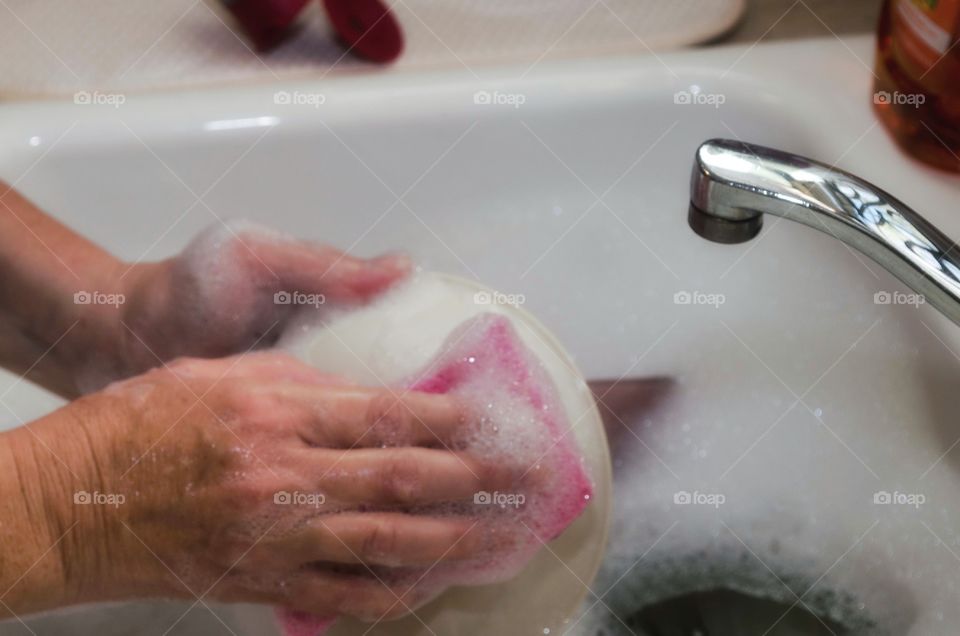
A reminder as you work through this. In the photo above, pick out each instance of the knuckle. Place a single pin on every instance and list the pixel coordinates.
(380, 541)
(231, 407)
(401, 479)
(253, 495)
(244, 401)
(388, 413)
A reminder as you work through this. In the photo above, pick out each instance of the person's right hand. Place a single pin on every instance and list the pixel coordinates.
(259, 479)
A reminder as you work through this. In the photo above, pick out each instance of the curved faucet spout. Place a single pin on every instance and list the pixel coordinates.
(734, 183)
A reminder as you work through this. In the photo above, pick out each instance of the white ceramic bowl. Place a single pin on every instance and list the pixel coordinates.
(362, 346)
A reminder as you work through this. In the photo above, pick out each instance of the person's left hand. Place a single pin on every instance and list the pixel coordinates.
(233, 289)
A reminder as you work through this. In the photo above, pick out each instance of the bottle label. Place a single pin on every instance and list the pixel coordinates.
(923, 29)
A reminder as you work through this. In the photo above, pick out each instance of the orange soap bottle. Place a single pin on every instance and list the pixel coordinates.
(917, 90)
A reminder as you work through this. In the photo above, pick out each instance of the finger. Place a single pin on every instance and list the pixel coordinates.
(387, 539)
(405, 476)
(319, 269)
(264, 366)
(369, 596)
(322, 590)
(358, 417)
(279, 366)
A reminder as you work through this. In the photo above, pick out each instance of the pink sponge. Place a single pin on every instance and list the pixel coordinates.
(294, 623)
(520, 419)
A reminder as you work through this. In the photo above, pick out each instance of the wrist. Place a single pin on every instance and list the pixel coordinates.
(111, 323)
(95, 309)
(64, 326)
(138, 338)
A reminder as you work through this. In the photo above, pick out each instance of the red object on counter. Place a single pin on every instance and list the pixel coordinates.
(367, 27)
(266, 22)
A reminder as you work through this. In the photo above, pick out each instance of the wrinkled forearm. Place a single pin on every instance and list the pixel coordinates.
(47, 335)
(63, 505)
(32, 576)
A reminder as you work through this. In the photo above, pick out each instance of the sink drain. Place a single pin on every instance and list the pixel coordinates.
(728, 613)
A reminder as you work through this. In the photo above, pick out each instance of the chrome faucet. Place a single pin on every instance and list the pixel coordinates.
(734, 183)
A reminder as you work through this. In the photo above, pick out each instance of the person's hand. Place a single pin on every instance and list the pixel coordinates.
(257, 479)
(231, 290)
(75, 317)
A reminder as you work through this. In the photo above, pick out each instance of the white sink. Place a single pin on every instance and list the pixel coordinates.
(508, 194)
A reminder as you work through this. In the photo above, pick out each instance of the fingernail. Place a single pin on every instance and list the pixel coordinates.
(396, 261)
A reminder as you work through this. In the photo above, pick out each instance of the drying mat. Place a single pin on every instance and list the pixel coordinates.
(50, 47)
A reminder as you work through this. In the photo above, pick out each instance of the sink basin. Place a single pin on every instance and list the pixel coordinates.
(804, 452)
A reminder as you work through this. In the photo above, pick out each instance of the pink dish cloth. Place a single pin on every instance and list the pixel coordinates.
(484, 363)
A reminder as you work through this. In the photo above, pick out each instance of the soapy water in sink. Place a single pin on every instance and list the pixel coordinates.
(517, 420)
(667, 566)
(709, 594)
